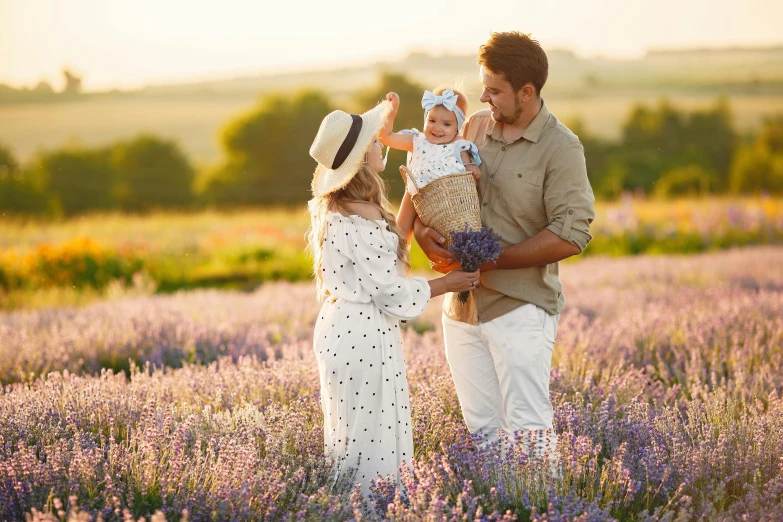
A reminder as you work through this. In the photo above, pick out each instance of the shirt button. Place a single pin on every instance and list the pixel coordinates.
(485, 204)
(519, 175)
(491, 175)
(503, 148)
(571, 212)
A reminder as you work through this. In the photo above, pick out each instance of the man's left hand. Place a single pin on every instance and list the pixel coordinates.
(444, 268)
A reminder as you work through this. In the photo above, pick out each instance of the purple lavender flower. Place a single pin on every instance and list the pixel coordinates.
(474, 248)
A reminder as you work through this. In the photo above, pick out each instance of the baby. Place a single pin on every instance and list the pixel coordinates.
(438, 150)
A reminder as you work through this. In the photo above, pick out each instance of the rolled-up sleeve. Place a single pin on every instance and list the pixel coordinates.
(568, 196)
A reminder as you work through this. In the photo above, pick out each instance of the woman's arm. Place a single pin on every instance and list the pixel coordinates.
(391, 139)
(405, 217)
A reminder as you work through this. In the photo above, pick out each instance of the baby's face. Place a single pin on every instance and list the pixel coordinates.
(441, 125)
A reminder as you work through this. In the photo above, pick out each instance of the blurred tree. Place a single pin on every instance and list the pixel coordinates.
(267, 152)
(660, 140)
(711, 142)
(758, 165)
(80, 180)
(651, 138)
(771, 134)
(20, 191)
(591, 80)
(613, 182)
(598, 155)
(410, 115)
(691, 180)
(73, 83)
(654, 128)
(151, 172)
(43, 88)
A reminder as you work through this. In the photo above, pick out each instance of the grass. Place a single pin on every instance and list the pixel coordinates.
(91, 257)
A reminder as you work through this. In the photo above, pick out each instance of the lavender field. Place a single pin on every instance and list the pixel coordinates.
(667, 382)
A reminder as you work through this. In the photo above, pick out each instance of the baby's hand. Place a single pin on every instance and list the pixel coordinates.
(394, 99)
(474, 170)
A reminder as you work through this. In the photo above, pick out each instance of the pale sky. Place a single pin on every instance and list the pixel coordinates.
(130, 43)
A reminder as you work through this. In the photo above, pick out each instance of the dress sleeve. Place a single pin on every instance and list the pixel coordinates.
(376, 267)
(471, 148)
(416, 135)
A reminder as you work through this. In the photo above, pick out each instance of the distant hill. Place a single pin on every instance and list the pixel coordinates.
(736, 69)
(730, 70)
(599, 92)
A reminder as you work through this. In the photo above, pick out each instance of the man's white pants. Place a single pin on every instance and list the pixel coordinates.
(501, 370)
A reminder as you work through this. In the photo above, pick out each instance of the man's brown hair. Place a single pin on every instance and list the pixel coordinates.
(517, 57)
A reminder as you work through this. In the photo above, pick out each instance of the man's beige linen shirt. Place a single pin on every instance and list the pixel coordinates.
(538, 181)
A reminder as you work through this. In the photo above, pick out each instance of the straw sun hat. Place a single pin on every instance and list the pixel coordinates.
(341, 143)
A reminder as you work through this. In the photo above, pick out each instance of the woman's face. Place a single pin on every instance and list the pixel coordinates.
(375, 157)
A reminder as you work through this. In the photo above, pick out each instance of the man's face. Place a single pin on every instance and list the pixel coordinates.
(497, 92)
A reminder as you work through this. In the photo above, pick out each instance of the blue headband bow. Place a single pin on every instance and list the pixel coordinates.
(448, 99)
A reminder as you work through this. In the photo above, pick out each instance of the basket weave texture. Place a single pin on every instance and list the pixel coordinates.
(447, 203)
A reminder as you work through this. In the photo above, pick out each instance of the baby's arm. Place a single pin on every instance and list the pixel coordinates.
(406, 217)
(469, 166)
(391, 139)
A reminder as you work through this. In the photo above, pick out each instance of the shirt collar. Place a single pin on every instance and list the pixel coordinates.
(532, 132)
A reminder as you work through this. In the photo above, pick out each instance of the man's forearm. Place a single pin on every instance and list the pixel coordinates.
(542, 249)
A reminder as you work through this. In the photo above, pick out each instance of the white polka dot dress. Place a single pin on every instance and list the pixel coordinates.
(364, 388)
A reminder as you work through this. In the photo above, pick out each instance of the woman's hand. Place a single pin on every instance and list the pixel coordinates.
(459, 281)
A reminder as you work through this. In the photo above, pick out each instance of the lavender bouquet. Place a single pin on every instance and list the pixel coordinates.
(472, 249)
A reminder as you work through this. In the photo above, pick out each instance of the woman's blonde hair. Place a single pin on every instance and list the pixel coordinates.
(365, 187)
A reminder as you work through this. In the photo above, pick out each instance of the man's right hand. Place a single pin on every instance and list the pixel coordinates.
(431, 241)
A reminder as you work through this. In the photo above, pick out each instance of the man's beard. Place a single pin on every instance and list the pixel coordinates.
(503, 118)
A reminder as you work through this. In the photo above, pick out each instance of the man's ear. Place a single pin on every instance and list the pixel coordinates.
(526, 93)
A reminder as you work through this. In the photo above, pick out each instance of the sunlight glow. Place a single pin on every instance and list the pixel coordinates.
(128, 44)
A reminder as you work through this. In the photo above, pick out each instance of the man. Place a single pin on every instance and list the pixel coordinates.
(534, 192)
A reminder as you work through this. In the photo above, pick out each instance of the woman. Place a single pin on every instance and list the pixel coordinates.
(360, 259)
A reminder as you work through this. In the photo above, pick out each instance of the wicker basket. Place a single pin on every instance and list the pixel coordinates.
(447, 203)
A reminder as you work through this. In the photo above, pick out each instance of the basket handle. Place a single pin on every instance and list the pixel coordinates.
(410, 183)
